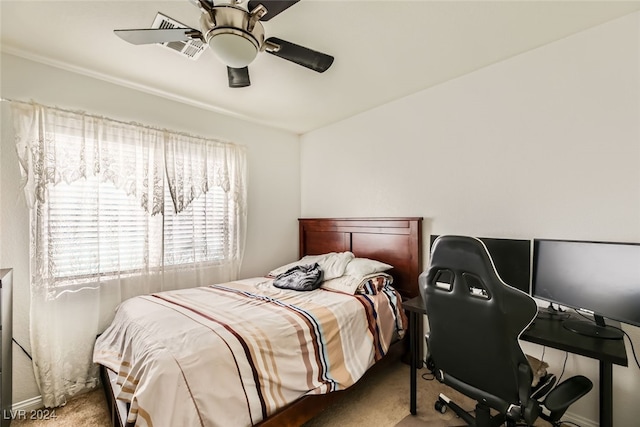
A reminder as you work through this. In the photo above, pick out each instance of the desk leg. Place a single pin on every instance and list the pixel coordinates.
(606, 394)
(413, 342)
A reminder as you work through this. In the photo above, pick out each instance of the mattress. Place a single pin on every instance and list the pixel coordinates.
(232, 354)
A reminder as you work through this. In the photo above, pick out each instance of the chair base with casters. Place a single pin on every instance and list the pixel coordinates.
(483, 413)
(556, 402)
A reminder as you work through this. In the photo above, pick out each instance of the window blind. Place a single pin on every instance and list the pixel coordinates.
(106, 232)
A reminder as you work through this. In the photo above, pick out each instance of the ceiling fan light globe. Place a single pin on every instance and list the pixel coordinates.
(233, 50)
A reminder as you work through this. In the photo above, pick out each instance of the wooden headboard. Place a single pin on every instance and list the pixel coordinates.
(395, 241)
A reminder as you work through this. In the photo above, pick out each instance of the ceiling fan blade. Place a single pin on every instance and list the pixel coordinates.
(238, 77)
(274, 7)
(162, 35)
(306, 57)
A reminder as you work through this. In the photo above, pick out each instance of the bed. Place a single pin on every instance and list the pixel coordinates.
(136, 366)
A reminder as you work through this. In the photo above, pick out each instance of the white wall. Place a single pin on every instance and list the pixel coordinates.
(545, 144)
(273, 176)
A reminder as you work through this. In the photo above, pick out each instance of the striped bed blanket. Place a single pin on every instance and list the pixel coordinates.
(235, 353)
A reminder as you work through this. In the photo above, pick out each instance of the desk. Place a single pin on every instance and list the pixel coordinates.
(545, 332)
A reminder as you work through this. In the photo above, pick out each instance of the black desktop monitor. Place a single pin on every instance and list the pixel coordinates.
(512, 259)
(602, 278)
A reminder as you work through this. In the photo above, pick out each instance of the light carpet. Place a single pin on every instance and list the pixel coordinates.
(381, 400)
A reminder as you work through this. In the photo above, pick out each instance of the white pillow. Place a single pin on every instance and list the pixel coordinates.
(309, 259)
(364, 266)
(332, 264)
(350, 284)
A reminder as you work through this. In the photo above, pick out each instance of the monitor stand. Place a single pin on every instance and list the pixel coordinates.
(596, 330)
(552, 313)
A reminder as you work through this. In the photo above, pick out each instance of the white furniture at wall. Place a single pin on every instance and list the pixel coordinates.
(6, 285)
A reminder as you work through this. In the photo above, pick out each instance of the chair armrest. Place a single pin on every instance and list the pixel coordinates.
(567, 392)
(561, 397)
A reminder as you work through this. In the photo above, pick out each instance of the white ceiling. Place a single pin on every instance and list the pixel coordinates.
(384, 50)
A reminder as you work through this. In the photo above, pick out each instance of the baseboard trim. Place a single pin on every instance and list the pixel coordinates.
(28, 405)
(581, 421)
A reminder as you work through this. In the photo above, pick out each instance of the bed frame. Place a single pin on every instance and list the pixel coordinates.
(395, 241)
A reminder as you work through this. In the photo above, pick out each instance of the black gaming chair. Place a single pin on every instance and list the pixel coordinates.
(475, 320)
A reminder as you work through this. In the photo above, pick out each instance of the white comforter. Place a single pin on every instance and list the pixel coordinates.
(230, 355)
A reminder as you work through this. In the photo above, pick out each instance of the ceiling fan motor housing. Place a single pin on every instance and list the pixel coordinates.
(231, 35)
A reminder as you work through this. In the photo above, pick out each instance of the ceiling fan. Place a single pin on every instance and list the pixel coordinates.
(235, 34)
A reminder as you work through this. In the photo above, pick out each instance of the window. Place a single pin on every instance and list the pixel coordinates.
(198, 234)
(107, 232)
(112, 199)
(97, 232)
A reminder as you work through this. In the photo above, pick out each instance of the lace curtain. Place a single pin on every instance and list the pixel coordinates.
(117, 210)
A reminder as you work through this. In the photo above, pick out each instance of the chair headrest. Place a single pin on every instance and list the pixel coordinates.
(468, 257)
